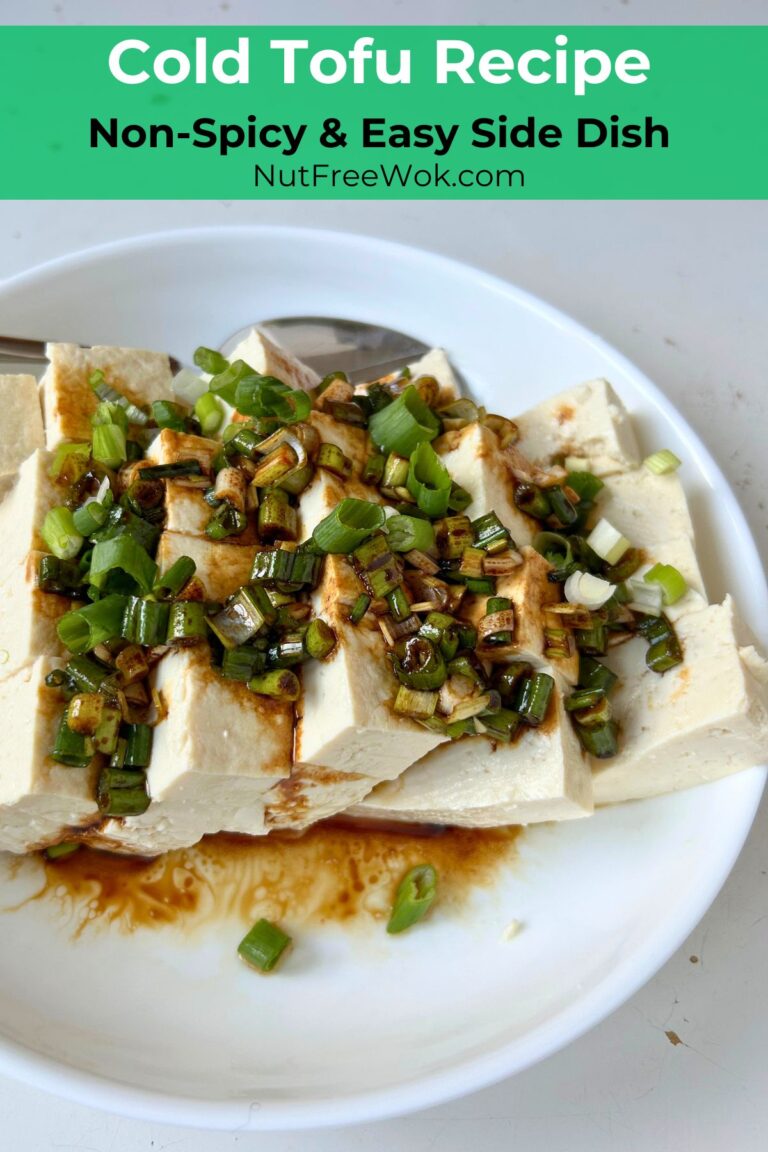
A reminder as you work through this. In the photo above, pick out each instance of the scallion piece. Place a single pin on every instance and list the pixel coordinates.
(177, 577)
(280, 683)
(263, 946)
(332, 459)
(359, 608)
(415, 896)
(277, 519)
(175, 471)
(60, 534)
(87, 673)
(351, 522)
(533, 501)
(209, 413)
(71, 749)
(166, 414)
(122, 554)
(262, 396)
(319, 640)
(441, 629)
(459, 499)
(287, 652)
(399, 604)
(673, 584)
(401, 426)
(104, 391)
(186, 622)
(563, 512)
(414, 702)
(90, 517)
(373, 469)
(664, 653)
(556, 549)
(240, 619)
(209, 360)
(279, 566)
(226, 521)
(607, 542)
(122, 792)
(145, 622)
(594, 675)
(84, 628)
(243, 663)
(224, 383)
(70, 462)
(584, 698)
(138, 749)
(408, 532)
(501, 725)
(428, 480)
(600, 741)
(663, 462)
(533, 697)
(585, 485)
(62, 850)
(592, 640)
(420, 664)
(454, 536)
(109, 445)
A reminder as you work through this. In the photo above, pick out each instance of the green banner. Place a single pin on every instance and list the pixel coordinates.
(392, 112)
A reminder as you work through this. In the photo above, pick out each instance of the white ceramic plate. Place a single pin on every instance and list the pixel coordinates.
(367, 1026)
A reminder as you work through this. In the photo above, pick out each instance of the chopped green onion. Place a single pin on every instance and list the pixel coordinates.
(359, 608)
(428, 480)
(122, 792)
(593, 715)
(480, 587)
(277, 519)
(138, 750)
(71, 748)
(60, 534)
(459, 499)
(585, 485)
(70, 462)
(241, 618)
(533, 501)
(586, 589)
(287, 652)
(90, 517)
(262, 396)
(592, 640)
(145, 622)
(501, 725)
(319, 639)
(399, 604)
(401, 426)
(105, 392)
(263, 946)
(673, 584)
(123, 522)
(453, 536)
(556, 549)
(177, 577)
(534, 696)
(378, 567)
(395, 472)
(601, 741)
(186, 622)
(594, 675)
(85, 628)
(107, 413)
(373, 469)
(442, 630)
(209, 413)
(333, 460)
(122, 554)
(626, 567)
(62, 850)
(415, 896)
(408, 532)
(419, 664)
(584, 698)
(664, 653)
(562, 510)
(224, 383)
(415, 703)
(85, 711)
(166, 414)
(496, 606)
(243, 663)
(226, 521)
(279, 682)
(489, 533)
(109, 445)
(279, 566)
(87, 673)
(644, 597)
(351, 522)
(607, 542)
(175, 471)
(472, 561)
(663, 462)
(209, 360)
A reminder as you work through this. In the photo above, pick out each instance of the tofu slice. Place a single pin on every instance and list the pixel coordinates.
(215, 755)
(647, 509)
(187, 511)
(23, 511)
(701, 721)
(589, 421)
(352, 441)
(170, 447)
(28, 619)
(475, 461)
(475, 783)
(40, 800)
(435, 363)
(22, 426)
(221, 568)
(348, 737)
(68, 399)
(269, 358)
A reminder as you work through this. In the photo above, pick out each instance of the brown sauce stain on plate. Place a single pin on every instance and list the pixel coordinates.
(333, 873)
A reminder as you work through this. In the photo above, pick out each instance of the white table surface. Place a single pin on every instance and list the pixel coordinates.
(680, 288)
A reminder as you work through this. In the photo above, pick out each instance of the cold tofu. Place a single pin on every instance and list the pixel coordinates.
(187, 511)
(269, 358)
(220, 568)
(39, 799)
(352, 441)
(435, 363)
(647, 509)
(475, 462)
(702, 720)
(22, 424)
(171, 447)
(474, 783)
(68, 399)
(23, 511)
(589, 422)
(215, 754)
(28, 618)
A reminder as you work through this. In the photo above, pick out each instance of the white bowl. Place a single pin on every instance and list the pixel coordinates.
(366, 1026)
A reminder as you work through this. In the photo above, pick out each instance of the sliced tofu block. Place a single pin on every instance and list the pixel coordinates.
(68, 399)
(39, 799)
(589, 421)
(170, 447)
(23, 511)
(474, 460)
(530, 592)
(28, 619)
(187, 511)
(352, 441)
(22, 425)
(216, 753)
(702, 720)
(478, 784)
(269, 358)
(435, 363)
(647, 509)
(221, 568)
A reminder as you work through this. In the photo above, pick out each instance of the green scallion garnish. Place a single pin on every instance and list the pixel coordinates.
(85, 628)
(401, 426)
(263, 946)
(663, 462)
(280, 683)
(175, 579)
(319, 639)
(123, 554)
(408, 532)
(209, 413)
(145, 622)
(351, 522)
(533, 698)
(209, 361)
(186, 623)
(60, 533)
(673, 584)
(109, 445)
(122, 792)
(415, 896)
(428, 480)
(72, 749)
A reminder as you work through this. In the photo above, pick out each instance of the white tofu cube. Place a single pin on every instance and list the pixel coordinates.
(475, 462)
(269, 358)
(221, 568)
(589, 421)
(22, 424)
(28, 619)
(23, 511)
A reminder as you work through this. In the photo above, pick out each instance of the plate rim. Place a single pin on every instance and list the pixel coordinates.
(586, 1011)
